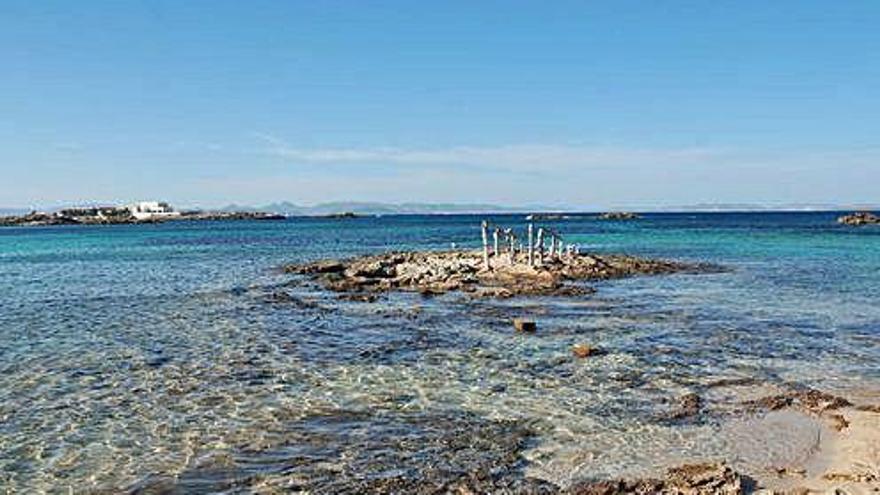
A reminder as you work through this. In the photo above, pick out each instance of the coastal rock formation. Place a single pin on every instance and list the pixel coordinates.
(809, 400)
(121, 216)
(438, 272)
(36, 218)
(618, 215)
(859, 218)
(690, 479)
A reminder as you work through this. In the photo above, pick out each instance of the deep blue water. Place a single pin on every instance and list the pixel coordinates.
(142, 350)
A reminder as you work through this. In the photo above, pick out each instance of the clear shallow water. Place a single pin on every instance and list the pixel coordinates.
(156, 358)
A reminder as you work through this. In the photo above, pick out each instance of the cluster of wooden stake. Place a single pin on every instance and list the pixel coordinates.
(536, 247)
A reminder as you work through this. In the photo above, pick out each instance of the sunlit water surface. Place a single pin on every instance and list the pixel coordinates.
(161, 357)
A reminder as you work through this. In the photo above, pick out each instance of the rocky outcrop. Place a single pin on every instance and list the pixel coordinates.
(807, 399)
(438, 272)
(121, 216)
(859, 218)
(618, 215)
(37, 218)
(689, 479)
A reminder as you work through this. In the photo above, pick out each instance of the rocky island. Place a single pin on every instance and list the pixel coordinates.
(859, 218)
(547, 216)
(438, 272)
(618, 215)
(342, 215)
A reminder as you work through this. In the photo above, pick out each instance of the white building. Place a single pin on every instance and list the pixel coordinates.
(151, 209)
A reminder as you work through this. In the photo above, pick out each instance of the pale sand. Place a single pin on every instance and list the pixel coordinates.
(845, 461)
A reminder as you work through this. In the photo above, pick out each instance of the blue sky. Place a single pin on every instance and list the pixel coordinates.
(582, 104)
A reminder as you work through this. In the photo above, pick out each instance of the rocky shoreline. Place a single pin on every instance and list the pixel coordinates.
(440, 272)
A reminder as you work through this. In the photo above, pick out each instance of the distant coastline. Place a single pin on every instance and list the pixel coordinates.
(290, 209)
(281, 210)
(135, 213)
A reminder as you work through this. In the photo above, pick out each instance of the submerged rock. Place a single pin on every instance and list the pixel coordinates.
(438, 272)
(522, 325)
(584, 350)
(367, 452)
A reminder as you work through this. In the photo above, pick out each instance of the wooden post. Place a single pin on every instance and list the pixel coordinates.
(531, 254)
(541, 245)
(512, 237)
(495, 235)
(485, 232)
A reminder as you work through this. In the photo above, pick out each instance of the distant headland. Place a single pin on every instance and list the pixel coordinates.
(134, 213)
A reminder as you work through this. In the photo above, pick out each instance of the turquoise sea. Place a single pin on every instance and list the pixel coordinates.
(178, 358)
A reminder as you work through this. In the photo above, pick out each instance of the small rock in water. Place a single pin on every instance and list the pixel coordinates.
(584, 350)
(522, 325)
(689, 406)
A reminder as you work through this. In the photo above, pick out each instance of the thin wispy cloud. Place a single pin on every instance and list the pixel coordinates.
(513, 157)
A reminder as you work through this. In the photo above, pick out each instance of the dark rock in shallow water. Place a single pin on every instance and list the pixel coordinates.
(366, 298)
(328, 266)
(360, 453)
(522, 325)
(690, 405)
(281, 297)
